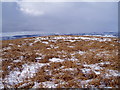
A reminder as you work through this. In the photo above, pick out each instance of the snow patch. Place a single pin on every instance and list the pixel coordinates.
(38, 58)
(23, 85)
(70, 40)
(17, 61)
(96, 66)
(112, 73)
(30, 44)
(6, 48)
(73, 39)
(28, 71)
(19, 46)
(69, 69)
(103, 53)
(56, 60)
(85, 81)
(73, 59)
(81, 52)
(97, 72)
(1, 84)
(49, 84)
(52, 41)
(45, 42)
(48, 48)
(56, 47)
(102, 63)
(52, 46)
(11, 44)
(85, 70)
(96, 39)
(36, 85)
(38, 39)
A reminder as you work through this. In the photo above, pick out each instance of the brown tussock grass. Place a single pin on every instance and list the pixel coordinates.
(95, 52)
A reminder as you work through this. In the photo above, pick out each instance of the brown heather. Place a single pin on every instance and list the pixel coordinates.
(95, 53)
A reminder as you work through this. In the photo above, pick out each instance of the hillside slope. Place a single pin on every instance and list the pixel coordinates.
(60, 61)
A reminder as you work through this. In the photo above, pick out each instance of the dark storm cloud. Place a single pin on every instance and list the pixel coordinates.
(60, 17)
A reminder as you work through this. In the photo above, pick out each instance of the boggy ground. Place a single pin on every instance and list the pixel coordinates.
(60, 61)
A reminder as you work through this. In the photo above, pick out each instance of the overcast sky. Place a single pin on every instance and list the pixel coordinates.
(61, 17)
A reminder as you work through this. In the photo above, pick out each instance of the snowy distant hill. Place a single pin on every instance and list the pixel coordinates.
(16, 36)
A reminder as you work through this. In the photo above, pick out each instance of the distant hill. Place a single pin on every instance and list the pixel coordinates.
(104, 34)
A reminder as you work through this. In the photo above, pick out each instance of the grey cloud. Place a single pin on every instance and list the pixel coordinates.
(63, 17)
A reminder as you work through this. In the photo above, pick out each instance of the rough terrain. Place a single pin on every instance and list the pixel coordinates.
(60, 61)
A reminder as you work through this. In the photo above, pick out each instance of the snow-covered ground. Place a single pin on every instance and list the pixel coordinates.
(28, 71)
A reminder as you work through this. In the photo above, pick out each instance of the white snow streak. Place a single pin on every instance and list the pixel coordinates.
(56, 60)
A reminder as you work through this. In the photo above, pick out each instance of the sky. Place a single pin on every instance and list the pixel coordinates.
(59, 17)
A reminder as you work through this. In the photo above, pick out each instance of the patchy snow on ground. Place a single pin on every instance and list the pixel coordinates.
(96, 39)
(69, 69)
(48, 48)
(21, 57)
(72, 59)
(103, 63)
(85, 81)
(54, 74)
(23, 85)
(85, 70)
(6, 48)
(28, 71)
(56, 47)
(56, 60)
(93, 66)
(30, 44)
(52, 46)
(1, 84)
(17, 61)
(49, 84)
(45, 42)
(83, 38)
(81, 52)
(36, 85)
(103, 53)
(38, 58)
(38, 39)
(96, 68)
(71, 39)
(11, 44)
(52, 40)
(111, 73)
(19, 45)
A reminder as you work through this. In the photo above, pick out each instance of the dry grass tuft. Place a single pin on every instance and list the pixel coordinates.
(101, 57)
